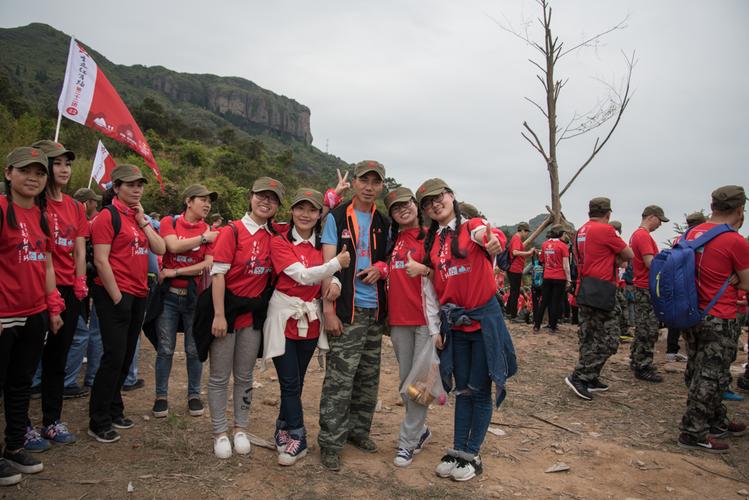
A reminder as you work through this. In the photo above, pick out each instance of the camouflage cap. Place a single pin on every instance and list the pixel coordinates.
(310, 195)
(524, 226)
(430, 187)
(655, 210)
(127, 173)
(269, 184)
(695, 218)
(398, 195)
(616, 225)
(85, 194)
(20, 157)
(53, 149)
(469, 211)
(366, 166)
(600, 204)
(199, 190)
(729, 197)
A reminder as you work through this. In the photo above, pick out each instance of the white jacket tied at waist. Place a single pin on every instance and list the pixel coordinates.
(283, 307)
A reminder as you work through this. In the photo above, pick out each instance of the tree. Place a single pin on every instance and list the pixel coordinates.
(611, 108)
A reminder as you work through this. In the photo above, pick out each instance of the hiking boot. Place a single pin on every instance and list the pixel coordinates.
(242, 443)
(137, 385)
(74, 391)
(729, 395)
(36, 392)
(597, 386)
(58, 433)
(195, 407)
(295, 449)
(709, 444)
(726, 430)
(330, 459)
(122, 423)
(8, 474)
(105, 436)
(672, 357)
(364, 444)
(403, 457)
(446, 466)
(467, 469)
(282, 439)
(649, 376)
(34, 442)
(425, 437)
(160, 408)
(222, 447)
(578, 387)
(23, 462)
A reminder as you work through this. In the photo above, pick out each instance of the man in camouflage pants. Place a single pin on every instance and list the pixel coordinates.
(354, 319)
(621, 289)
(646, 324)
(711, 345)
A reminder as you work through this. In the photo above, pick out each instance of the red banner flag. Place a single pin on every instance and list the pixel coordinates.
(101, 172)
(88, 98)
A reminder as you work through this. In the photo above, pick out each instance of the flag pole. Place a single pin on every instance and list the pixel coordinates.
(57, 128)
(90, 179)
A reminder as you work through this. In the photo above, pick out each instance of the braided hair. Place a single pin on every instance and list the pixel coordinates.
(40, 200)
(455, 249)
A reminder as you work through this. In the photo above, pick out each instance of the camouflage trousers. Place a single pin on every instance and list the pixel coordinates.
(352, 377)
(646, 332)
(621, 300)
(598, 337)
(708, 345)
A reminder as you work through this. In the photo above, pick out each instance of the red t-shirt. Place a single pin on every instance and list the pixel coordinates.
(251, 265)
(283, 254)
(183, 230)
(467, 282)
(642, 244)
(715, 262)
(405, 305)
(128, 254)
(553, 254)
(597, 248)
(23, 263)
(67, 221)
(518, 262)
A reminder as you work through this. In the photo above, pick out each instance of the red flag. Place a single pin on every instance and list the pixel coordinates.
(101, 172)
(88, 98)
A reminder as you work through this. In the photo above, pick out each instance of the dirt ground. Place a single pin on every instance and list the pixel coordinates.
(621, 445)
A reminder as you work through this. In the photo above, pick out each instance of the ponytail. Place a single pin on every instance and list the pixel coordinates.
(429, 243)
(455, 244)
(10, 217)
(41, 201)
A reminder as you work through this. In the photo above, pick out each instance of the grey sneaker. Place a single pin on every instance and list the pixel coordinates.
(446, 466)
(8, 474)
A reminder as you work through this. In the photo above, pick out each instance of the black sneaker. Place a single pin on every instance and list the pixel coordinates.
(160, 408)
(8, 475)
(122, 423)
(23, 462)
(649, 376)
(195, 407)
(578, 387)
(709, 445)
(74, 391)
(36, 392)
(137, 385)
(106, 436)
(597, 386)
(743, 383)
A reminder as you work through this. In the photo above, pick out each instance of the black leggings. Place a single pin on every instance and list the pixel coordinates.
(552, 293)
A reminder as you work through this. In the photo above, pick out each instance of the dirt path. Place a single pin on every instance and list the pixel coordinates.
(621, 445)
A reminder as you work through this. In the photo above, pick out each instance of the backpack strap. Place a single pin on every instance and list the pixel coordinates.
(116, 220)
(174, 221)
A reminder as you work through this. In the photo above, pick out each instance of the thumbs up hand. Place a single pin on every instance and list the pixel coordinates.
(414, 268)
(344, 258)
(491, 242)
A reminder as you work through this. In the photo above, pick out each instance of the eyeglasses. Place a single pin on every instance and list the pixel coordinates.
(401, 207)
(430, 201)
(267, 196)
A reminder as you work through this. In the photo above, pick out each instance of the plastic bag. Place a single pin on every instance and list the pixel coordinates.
(423, 383)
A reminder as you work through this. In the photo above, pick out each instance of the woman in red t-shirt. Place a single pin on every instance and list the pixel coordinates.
(462, 254)
(121, 236)
(413, 311)
(242, 265)
(555, 259)
(292, 327)
(69, 229)
(29, 300)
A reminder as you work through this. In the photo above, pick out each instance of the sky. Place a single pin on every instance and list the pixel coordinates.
(434, 88)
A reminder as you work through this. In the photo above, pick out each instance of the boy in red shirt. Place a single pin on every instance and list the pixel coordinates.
(518, 253)
(726, 257)
(597, 251)
(646, 324)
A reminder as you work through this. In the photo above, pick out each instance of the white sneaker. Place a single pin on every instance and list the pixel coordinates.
(222, 447)
(241, 443)
(466, 470)
(446, 466)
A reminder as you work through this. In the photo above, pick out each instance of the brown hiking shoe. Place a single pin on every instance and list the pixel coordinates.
(330, 459)
(364, 444)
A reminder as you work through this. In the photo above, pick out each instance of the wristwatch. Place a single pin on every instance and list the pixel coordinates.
(203, 241)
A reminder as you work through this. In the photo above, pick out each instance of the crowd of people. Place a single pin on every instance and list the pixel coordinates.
(77, 282)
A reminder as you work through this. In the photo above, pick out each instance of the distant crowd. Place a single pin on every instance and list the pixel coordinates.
(84, 276)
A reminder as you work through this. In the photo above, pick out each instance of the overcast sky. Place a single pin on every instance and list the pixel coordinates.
(435, 88)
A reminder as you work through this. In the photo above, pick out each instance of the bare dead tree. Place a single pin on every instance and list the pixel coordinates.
(607, 111)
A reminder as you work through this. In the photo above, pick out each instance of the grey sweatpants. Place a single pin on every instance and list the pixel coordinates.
(407, 341)
(235, 352)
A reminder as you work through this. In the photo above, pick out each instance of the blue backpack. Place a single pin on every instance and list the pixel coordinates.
(537, 273)
(673, 286)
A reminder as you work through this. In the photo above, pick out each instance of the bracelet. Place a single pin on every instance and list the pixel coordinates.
(203, 240)
(143, 226)
(176, 272)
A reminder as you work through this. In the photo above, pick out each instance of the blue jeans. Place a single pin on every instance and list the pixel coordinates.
(176, 307)
(86, 343)
(473, 406)
(291, 368)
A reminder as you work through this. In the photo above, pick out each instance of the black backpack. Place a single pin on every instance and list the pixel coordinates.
(116, 225)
